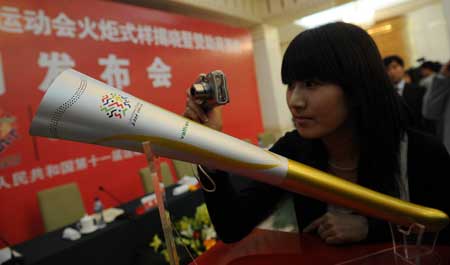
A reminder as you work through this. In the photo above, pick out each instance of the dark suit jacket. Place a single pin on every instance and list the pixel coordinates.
(235, 213)
(413, 96)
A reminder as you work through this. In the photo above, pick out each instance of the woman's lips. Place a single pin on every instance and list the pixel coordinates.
(303, 121)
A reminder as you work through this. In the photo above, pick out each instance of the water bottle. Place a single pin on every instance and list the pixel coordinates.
(98, 209)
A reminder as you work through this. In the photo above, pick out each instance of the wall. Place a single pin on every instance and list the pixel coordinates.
(428, 33)
(391, 38)
(272, 93)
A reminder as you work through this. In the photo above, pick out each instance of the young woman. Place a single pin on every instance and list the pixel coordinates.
(349, 122)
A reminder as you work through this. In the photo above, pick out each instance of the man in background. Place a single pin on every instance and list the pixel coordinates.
(411, 93)
(436, 104)
(428, 70)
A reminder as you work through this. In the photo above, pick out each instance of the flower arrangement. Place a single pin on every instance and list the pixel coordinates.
(197, 234)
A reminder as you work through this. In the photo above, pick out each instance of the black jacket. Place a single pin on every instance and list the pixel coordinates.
(413, 97)
(235, 213)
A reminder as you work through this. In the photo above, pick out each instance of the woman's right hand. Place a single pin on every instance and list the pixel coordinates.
(193, 111)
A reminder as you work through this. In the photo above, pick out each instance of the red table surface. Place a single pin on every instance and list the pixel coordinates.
(273, 247)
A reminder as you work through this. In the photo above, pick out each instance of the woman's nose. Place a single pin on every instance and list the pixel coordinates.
(298, 98)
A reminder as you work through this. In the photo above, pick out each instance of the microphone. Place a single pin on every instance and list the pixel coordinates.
(102, 189)
(16, 258)
(127, 214)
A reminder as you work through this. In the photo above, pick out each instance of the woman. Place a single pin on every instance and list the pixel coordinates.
(349, 122)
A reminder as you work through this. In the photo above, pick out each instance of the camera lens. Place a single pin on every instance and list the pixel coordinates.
(200, 91)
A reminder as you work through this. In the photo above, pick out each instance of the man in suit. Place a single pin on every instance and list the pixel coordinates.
(411, 93)
(436, 105)
(428, 71)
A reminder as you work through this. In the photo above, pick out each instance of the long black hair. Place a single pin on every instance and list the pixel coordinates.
(346, 55)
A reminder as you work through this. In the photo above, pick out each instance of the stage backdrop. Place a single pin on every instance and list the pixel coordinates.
(151, 54)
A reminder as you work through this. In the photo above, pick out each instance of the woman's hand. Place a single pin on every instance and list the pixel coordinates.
(339, 228)
(212, 118)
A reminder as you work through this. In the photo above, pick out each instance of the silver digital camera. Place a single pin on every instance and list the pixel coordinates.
(211, 90)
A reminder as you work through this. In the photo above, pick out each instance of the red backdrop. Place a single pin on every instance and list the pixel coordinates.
(150, 54)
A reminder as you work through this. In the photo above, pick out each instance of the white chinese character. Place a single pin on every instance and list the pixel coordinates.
(2, 79)
(199, 41)
(88, 27)
(93, 160)
(174, 37)
(38, 22)
(52, 170)
(127, 32)
(108, 30)
(219, 43)
(3, 183)
(10, 20)
(103, 158)
(144, 35)
(19, 178)
(210, 42)
(80, 163)
(232, 45)
(127, 154)
(56, 63)
(114, 75)
(159, 72)
(37, 173)
(67, 167)
(116, 155)
(65, 27)
(160, 36)
(236, 44)
(137, 154)
(186, 37)
(227, 43)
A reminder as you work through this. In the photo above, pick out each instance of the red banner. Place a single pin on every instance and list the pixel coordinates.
(150, 54)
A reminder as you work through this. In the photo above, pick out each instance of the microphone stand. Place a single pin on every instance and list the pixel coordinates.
(127, 213)
(102, 189)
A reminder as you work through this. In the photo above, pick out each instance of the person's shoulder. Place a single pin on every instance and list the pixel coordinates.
(291, 144)
(441, 81)
(414, 87)
(289, 138)
(425, 143)
(291, 135)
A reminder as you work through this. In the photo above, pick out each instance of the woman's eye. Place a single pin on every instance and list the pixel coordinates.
(309, 83)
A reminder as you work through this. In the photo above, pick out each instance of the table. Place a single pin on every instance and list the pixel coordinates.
(115, 244)
(263, 247)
